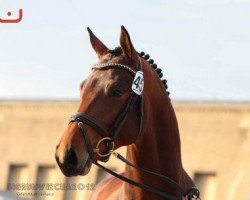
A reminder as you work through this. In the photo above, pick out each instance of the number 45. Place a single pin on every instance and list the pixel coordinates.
(138, 83)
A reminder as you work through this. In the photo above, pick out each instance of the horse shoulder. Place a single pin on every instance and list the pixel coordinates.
(108, 189)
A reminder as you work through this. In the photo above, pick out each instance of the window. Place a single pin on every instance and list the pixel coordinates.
(206, 183)
(71, 192)
(18, 174)
(45, 182)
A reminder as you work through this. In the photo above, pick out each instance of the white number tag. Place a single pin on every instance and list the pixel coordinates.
(138, 83)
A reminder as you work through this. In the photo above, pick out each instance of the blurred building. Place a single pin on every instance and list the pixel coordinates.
(215, 150)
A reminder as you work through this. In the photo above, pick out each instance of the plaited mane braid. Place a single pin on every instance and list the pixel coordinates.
(118, 51)
(154, 66)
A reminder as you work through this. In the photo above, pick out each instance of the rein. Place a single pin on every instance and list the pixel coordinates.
(109, 136)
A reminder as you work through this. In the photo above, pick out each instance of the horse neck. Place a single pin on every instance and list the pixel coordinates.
(158, 148)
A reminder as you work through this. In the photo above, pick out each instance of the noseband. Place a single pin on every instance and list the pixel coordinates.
(109, 136)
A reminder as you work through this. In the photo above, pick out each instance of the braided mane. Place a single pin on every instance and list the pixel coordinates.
(154, 66)
(117, 51)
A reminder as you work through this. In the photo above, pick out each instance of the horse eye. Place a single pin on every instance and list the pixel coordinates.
(117, 92)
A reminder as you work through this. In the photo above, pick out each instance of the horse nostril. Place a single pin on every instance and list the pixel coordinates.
(71, 159)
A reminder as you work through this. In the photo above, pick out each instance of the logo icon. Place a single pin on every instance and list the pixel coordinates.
(17, 20)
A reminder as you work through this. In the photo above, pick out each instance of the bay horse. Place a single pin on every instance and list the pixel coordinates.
(124, 102)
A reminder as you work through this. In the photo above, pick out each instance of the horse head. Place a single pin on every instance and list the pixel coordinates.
(103, 122)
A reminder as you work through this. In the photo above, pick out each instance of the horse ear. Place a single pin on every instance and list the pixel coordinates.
(126, 44)
(97, 44)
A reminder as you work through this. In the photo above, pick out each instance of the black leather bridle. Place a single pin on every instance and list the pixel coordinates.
(108, 137)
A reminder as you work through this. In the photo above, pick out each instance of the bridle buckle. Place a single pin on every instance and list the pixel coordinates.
(111, 147)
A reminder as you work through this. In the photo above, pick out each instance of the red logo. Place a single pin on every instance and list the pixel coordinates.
(20, 17)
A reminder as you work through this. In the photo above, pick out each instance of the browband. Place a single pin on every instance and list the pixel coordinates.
(111, 65)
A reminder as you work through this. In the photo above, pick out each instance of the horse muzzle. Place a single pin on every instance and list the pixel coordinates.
(70, 165)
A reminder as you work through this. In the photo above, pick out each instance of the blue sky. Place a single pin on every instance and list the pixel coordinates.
(203, 47)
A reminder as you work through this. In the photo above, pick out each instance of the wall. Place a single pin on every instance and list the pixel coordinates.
(215, 149)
